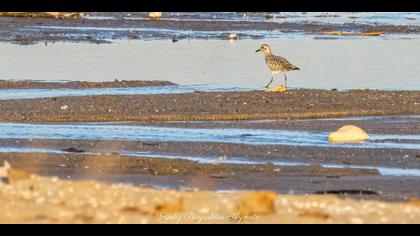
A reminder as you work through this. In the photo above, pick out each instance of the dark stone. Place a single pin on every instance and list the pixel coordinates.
(4, 180)
(332, 177)
(217, 177)
(347, 192)
(73, 150)
(150, 144)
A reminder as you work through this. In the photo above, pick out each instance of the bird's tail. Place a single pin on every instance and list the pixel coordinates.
(295, 68)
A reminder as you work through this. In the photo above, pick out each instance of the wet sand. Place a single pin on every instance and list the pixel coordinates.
(293, 104)
(183, 174)
(8, 84)
(85, 164)
(404, 125)
(288, 110)
(33, 199)
(99, 29)
(104, 160)
(396, 158)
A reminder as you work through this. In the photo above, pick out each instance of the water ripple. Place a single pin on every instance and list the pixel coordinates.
(115, 131)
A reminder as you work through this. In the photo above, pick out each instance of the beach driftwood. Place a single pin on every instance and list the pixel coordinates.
(339, 33)
(59, 15)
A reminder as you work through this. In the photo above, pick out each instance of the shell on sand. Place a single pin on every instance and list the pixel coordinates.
(279, 89)
(155, 15)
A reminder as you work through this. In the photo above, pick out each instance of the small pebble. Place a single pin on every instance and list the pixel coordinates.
(233, 36)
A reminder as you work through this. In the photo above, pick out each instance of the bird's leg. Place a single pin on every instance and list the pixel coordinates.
(271, 81)
(285, 81)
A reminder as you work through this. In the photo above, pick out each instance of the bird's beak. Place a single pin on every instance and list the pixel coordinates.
(258, 50)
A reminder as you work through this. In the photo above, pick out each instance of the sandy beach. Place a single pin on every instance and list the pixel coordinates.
(180, 174)
(293, 104)
(33, 199)
(99, 127)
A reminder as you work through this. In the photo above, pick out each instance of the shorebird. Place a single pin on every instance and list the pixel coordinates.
(4, 172)
(276, 64)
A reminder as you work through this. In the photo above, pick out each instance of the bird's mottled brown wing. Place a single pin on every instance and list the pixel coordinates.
(276, 63)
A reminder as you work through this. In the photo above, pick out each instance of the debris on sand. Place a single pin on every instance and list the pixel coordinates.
(414, 202)
(4, 172)
(315, 214)
(347, 192)
(279, 89)
(298, 104)
(348, 133)
(57, 15)
(73, 150)
(339, 33)
(232, 37)
(27, 84)
(220, 160)
(170, 207)
(18, 175)
(261, 203)
(155, 15)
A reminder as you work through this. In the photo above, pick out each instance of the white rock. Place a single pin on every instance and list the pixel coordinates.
(233, 36)
(348, 133)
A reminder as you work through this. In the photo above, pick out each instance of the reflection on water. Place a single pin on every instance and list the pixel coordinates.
(396, 118)
(384, 171)
(342, 64)
(112, 131)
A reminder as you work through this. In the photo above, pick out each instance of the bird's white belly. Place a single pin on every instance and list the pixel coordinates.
(276, 72)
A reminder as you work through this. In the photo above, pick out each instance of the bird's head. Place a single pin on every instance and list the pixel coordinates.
(264, 48)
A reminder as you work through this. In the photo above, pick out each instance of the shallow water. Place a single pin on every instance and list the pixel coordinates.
(46, 93)
(384, 171)
(384, 119)
(389, 18)
(159, 33)
(408, 118)
(113, 131)
(218, 64)
(371, 18)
